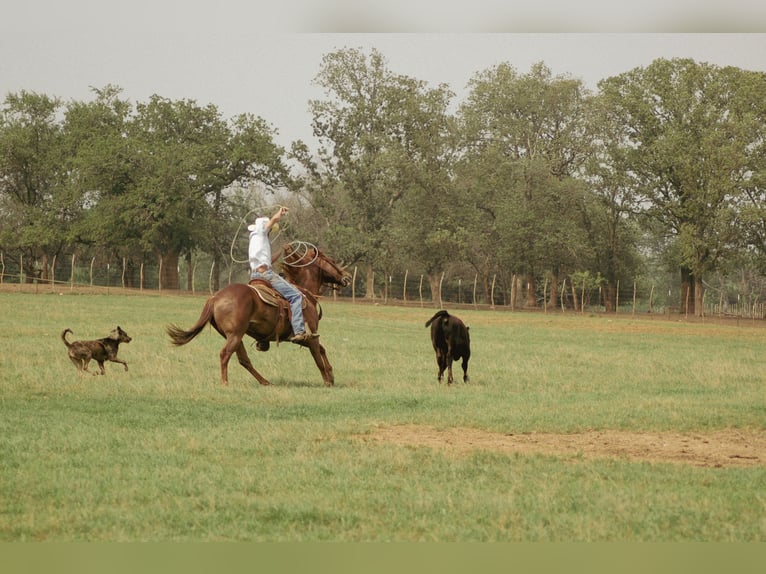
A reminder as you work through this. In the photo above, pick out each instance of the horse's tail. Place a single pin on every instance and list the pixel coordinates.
(180, 336)
(63, 337)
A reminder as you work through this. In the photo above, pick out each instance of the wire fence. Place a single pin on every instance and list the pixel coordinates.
(100, 274)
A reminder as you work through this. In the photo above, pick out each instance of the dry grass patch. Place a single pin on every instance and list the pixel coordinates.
(725, 448)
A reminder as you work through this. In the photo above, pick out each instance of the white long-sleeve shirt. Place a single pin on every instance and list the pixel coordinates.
(259, 251)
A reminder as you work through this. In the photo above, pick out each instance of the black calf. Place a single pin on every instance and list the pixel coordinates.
(451, 341)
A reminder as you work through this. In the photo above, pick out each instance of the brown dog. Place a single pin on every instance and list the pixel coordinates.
(100, 350)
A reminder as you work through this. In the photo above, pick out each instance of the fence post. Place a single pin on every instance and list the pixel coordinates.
(634, 297)
(441, 301)
(353, 286)
(53, 274)
(563, 293)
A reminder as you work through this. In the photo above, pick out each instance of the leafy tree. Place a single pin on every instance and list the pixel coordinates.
(181, 159)
(610, 220)
(690, 141)
(524, 143)
(368, 129)
(100, 168)
(33, 214)
(426, 229)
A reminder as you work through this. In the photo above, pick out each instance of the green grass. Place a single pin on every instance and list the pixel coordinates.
(165, 453)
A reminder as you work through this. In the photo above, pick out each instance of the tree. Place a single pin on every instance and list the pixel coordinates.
(426, 230)
(367, 129)
(524, 140)
(185, 158)
(689, 143)
(610, 219)
(33, 212)
(100, 169)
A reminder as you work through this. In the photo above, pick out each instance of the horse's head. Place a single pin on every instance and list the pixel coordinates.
(306, 265)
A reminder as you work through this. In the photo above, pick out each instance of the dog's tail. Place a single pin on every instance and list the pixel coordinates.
(179, 336)
(438, 314)
(63, 337)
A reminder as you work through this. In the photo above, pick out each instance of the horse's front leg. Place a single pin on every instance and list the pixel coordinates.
(320, 358)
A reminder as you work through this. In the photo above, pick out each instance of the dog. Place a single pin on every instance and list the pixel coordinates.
(100, 350)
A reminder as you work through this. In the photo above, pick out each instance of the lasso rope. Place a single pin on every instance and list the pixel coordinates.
(304, 247)
(236, 234)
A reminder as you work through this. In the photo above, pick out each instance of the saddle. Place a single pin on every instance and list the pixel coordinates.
(272, 297)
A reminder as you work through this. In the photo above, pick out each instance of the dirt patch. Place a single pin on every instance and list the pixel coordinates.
(727, 448)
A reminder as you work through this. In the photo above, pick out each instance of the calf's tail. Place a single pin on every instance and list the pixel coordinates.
(438, 314)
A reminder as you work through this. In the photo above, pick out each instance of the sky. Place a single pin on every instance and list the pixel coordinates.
(246, 58)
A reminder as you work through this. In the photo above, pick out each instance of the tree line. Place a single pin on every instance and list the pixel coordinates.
(531, 180)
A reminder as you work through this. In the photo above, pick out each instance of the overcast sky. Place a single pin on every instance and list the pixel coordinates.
(244, 58)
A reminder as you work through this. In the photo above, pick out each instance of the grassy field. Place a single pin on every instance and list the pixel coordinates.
(165, 453)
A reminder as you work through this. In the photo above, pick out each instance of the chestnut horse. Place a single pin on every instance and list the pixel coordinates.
(257, 310)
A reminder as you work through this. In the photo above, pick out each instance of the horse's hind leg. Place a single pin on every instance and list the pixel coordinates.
(232, 342)
(244, 360)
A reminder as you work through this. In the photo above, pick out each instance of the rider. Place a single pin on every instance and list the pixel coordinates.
(260, 268)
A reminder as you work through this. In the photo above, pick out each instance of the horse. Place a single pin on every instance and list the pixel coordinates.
(257, 310)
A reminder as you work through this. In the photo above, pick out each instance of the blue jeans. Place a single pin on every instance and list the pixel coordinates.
(289, 292)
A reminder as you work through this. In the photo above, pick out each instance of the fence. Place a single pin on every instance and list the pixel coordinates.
(398, 288)
(73, 272)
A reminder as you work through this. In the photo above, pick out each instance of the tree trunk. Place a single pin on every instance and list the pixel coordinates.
(699, 293)
(575, 299)
(370, 291)
(531, 289)
(609, 297)
(433, 283)
(553, 295)
(169, 275)
(687, 296)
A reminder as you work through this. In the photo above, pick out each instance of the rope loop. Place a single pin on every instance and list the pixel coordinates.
(302, 247)
(239, 228)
